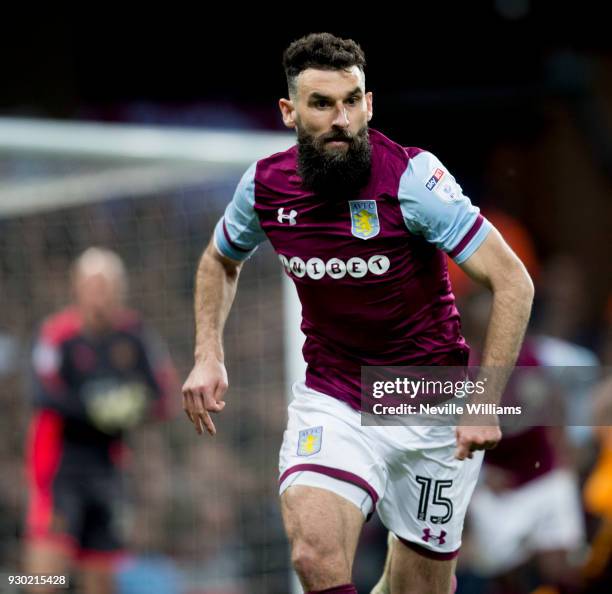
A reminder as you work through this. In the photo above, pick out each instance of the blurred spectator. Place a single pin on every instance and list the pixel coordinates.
(527, 509)
(560, 334)
(98, 373)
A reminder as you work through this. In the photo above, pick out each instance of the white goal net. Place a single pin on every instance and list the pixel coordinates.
(203, 510)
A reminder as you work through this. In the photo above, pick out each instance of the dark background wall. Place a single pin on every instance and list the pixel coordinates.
(515, 96)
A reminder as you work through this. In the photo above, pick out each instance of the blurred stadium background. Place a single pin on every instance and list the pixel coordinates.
(516, 100)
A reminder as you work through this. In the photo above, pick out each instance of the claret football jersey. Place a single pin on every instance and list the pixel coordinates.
(370, 269)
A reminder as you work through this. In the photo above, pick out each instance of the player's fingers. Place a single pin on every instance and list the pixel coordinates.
(463, 454)
(213, 402)
(205, 419)
(466, 447)
(494, 440)
(200, 400)
(187, 404)
(202, 417)
(213, 406)
(461, 451)
(485, 444)
(194, 410)
(220, 390)
(220, 406)
(185, 389)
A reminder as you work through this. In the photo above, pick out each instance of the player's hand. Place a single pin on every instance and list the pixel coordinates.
(478, 437)
(203, 393)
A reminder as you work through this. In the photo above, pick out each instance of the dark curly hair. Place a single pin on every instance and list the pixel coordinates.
(320, 50)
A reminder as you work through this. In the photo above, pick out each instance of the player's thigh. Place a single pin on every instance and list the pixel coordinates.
(325, 446)
(321, 526)
(426, 499)
(413, 573)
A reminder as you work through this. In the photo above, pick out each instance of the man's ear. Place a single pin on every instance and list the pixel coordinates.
(288, 112)
(369, 102)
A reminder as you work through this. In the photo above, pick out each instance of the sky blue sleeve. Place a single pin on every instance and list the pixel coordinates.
(238, 232)
(434, 206)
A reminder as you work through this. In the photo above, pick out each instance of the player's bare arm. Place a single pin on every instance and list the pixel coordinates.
(215, 288)
(495, 266)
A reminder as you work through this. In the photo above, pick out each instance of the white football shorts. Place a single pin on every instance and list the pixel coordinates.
(507, 528)
(408, 474)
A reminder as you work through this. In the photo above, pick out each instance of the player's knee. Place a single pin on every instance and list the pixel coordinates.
(304, 559)
(315, 561)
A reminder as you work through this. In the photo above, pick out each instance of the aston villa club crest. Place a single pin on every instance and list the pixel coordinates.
(309, 441)
(364, 218)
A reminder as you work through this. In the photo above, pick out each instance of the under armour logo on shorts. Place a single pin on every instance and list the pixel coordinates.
(427, 536)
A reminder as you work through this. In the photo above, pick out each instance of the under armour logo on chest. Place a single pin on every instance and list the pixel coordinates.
(286, 217)
(427, 536)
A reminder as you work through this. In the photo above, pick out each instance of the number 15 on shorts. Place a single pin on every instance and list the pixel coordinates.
(432, 491)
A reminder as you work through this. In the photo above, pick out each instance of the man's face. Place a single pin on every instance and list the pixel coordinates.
(99, 297)
(330, 111)
(329, 105)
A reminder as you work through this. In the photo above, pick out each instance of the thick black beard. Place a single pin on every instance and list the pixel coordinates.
(334, 172)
